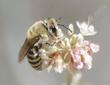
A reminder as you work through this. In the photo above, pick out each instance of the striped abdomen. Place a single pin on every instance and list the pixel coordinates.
(34, 59)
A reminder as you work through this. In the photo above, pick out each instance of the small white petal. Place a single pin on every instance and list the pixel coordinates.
(80, 66)
(91, 28)
(82, 27)
(94, 48)
(60, 33)
(59, 65)
(80, 40)
(86, 29)
(78, 24)
(88, 61)
(80, 37)
(71, 28)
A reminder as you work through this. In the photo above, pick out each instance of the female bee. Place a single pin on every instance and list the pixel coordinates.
(46, 31)
(37, 31)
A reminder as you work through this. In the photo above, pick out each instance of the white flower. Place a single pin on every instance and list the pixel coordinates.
(80, 40)
(86, 29)
(71, 27)
(60, 33)
(94, 48)
(87, 61)
(80, 65)
(81, 58)
(59, 65)
(76, 56)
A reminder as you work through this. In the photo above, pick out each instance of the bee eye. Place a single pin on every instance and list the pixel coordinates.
(53, 30)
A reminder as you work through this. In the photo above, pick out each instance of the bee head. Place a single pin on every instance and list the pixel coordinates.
(52, 26)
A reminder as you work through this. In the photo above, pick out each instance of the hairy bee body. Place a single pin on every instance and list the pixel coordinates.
(39, 36)
(39, 30)
(34, 57)
(36, 29)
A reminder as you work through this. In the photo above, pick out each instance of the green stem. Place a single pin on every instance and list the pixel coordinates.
(73, 78)
(69, 78)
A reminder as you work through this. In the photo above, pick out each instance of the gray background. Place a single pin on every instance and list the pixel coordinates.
(17, 15)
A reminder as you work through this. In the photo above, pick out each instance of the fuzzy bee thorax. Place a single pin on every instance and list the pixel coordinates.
(36, 29)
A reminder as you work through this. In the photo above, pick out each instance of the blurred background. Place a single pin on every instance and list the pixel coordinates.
(17, 15)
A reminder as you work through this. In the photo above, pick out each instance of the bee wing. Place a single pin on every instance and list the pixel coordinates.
(25, 48)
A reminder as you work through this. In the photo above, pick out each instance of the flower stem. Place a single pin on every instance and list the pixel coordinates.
(69, 78)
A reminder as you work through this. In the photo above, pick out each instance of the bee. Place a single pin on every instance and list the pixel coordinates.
(38, 31)
(32, 44)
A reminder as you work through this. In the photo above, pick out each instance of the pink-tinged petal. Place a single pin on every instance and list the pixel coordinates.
(87, 61)
(80, 65)
(76, 56)
(82, 51)
(86, 42)
(94, 47)
(91, 46)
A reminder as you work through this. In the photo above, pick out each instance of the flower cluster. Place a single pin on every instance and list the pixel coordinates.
(71, 51)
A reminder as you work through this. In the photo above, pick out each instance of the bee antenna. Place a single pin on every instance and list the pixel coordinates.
(59, 18)
(65, 27)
